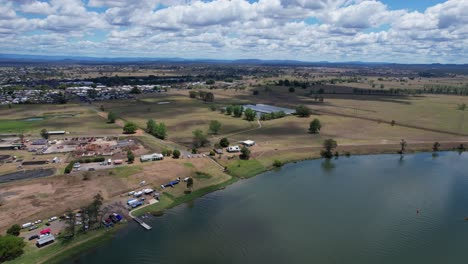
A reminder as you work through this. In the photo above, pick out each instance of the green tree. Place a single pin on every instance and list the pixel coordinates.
(192, 94)
(94, 209)
(224, 142)
(199, 139)
(130, 156)
(250, 114)
(210, 82)
(237, 110)
(11, 247)
(190, 184)
(14, 230)
(315, 126)
(302, 111)
(45, 133)
(151, 126)
(229, 109)
(245, 153)
(176, 154)
(436, 146)
(160, 131)
(69, 225)
(292, 89)
(215, 126)
(111, 117)
(135, 90)
(209, 97)
(329, 145)
(130, 128)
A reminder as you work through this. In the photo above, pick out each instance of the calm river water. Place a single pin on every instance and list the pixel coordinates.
(361, 209)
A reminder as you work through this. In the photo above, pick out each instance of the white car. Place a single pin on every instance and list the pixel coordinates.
(53, 218)
(37, 222)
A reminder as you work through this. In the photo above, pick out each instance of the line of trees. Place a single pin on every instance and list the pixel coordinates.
(272, 115)
(203, 95)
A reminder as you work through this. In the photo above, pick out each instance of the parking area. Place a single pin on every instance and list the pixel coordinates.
(93, 166)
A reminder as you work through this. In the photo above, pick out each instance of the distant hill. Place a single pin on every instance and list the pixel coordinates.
(24, 59)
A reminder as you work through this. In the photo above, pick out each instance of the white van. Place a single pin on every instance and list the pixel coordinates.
(29, 224)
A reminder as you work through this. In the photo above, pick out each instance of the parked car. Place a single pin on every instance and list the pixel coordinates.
(33, 227)
(33, 237)
(37, 222)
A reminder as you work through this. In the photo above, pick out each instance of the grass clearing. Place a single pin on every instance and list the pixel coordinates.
(189, 165)
(245, 168)
(125, 171)
(201, 175)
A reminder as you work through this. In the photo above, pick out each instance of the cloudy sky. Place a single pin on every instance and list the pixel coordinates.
(407, 31)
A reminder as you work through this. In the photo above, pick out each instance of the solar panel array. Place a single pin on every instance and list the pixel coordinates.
(263, 108)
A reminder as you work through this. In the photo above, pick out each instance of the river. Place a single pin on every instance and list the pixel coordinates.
(362, 209)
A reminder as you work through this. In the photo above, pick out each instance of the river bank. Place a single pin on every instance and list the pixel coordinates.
(238, 169)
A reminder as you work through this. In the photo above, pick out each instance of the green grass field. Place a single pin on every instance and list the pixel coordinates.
(78, 120)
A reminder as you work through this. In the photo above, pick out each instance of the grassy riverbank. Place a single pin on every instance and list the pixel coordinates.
(61, 250)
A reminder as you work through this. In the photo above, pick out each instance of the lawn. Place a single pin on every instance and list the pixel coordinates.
(76, 119)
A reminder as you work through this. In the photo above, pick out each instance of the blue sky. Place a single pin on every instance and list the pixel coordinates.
(412, 5)
(404, 31)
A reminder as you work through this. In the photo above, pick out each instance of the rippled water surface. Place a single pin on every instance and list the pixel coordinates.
(361, 209)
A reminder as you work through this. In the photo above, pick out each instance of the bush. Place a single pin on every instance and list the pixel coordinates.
(277, 163)
(14, 230)
(69, 167)
(224, 142)
(212, 153)
(176, 154)
(130, 128)
(302, 111)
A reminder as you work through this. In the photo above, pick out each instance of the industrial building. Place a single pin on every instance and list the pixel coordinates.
(267, 109)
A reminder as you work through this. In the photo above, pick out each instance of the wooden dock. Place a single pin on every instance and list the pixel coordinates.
(143, 224)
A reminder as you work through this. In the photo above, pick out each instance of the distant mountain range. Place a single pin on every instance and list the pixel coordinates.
(24, 58)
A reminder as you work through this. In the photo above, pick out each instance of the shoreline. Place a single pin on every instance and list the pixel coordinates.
(168, 201)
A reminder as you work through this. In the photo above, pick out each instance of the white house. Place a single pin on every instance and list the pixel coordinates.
(151, 157)
(247, 143)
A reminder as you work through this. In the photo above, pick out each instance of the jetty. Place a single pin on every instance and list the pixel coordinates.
(143, 224)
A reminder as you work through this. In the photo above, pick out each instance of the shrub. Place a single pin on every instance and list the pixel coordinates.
(176, 154)
(14, 230)
(277, 163)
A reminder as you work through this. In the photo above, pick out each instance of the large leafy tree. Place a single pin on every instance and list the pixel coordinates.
(250, 114)
(329, 145)
(130, 128)
(215, 126)
(302, 111)
(224, 142)
(315, 126)
(199, 139)
(11, 247)
(111, 117)
(44, 133)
